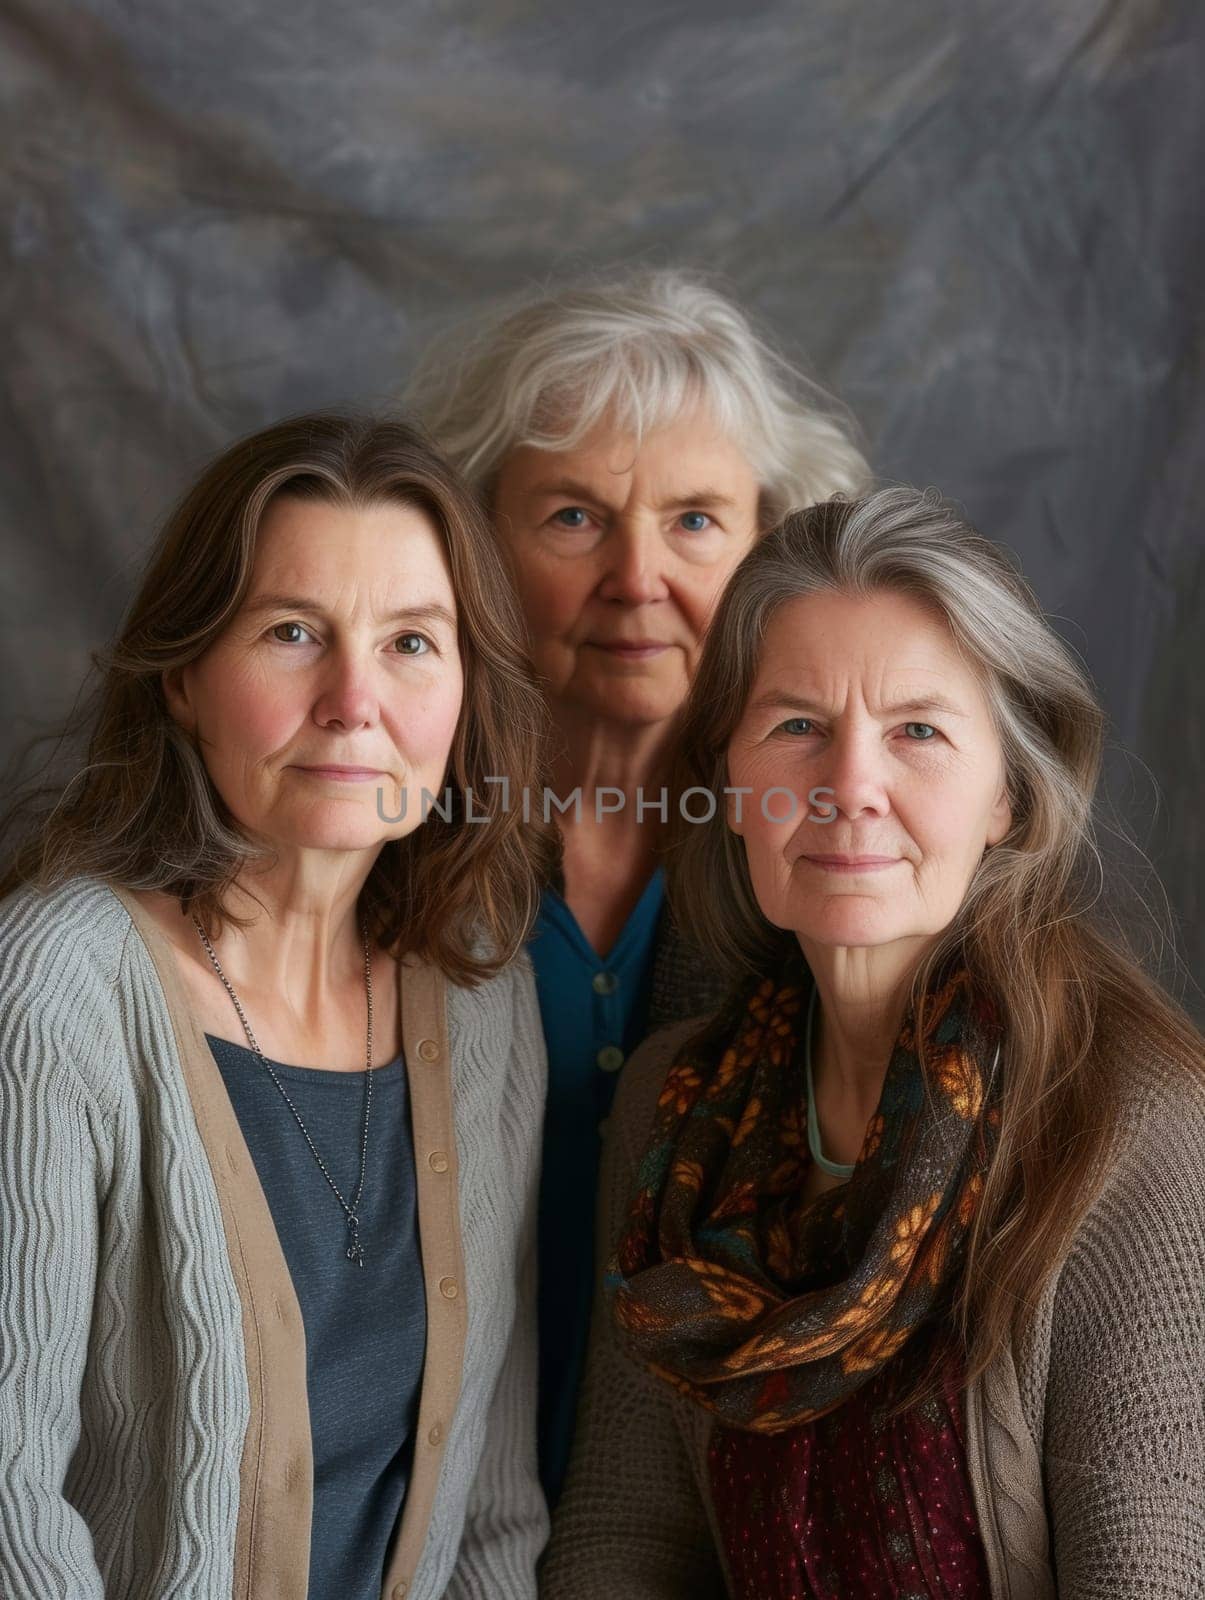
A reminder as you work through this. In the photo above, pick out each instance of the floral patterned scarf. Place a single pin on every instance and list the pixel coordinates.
(767, 1310)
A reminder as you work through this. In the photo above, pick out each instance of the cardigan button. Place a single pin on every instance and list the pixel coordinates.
(428, 1049)
(610, 1058)
(436, 1435)
(448, 1288)
(437, 1161)
(399, 1590)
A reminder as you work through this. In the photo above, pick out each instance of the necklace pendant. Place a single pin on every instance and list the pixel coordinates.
(355, 1250)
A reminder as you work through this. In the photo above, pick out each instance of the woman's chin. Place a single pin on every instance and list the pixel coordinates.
(336, 834)
(637, 697)
(850, 929)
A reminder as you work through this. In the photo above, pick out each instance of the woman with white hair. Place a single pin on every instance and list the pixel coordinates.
(907, 1244)
(631, 440)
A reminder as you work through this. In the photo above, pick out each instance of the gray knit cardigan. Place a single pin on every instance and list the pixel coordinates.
(1085, 1446)
(154, 1429)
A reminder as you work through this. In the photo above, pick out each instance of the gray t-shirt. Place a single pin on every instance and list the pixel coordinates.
(365, 1327)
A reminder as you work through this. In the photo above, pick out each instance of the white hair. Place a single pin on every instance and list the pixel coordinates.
(638, 349)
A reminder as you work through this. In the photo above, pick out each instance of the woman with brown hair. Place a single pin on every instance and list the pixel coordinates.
(271, 1068)
(907, 1245)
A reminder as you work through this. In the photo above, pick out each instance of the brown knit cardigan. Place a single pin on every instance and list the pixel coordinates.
(1085, 1444)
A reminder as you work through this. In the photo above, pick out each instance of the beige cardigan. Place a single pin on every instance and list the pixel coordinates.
(1085, 1447)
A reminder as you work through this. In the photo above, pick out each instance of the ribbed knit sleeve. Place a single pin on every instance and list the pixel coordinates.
(506, 1520)
(632, 1521)
(55, 1156)
(123, 1390)
(1125, 1399)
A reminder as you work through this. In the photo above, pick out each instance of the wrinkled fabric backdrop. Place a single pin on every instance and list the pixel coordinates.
(979, 223)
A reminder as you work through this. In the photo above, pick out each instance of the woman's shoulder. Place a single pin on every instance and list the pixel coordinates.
(643, 1078)
(501, 989)
(1160, 1102)
(77, 928)
(1146, 1222)
(65, 1008)
(501, 1013)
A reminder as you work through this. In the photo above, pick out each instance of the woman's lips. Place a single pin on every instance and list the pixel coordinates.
(853, 863)
(343, 774)
(638, 651)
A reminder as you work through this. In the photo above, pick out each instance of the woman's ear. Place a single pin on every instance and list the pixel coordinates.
(179, 703)
(1000, 817)
(734, 807)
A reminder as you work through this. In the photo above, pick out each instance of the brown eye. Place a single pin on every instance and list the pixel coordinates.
(280, 625)
(412, 644)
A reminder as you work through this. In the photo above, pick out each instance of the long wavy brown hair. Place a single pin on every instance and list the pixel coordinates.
(139, 811)
(1037, 931)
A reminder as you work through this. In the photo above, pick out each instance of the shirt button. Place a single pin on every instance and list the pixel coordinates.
(437, 1161)
(448, 1288)
(435, 1435)
(428, 1049)
(610, 1058)
(399, 1590)
(604, 983)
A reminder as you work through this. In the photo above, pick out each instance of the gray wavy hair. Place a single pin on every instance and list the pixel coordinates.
(639, 348)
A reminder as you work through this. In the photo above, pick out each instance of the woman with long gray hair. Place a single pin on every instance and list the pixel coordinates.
(907, 1244)
(631, 439)
(271, 1069)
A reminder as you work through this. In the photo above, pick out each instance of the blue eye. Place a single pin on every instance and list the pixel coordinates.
(694, 521)
(571, 517)
(415, 639)
(930, 730)
(279, 625)
(791, 725)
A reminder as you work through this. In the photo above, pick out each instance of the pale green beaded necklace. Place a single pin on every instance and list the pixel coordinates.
(835, 1169)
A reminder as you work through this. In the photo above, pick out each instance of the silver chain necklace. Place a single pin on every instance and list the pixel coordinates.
(355, 1250)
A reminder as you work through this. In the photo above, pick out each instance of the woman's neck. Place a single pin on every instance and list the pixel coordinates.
(302, 941)
(608, 780)
(593, 754)
(297, 968)
(862, 995)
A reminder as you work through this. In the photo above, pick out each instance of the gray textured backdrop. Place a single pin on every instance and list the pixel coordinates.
(980, 223)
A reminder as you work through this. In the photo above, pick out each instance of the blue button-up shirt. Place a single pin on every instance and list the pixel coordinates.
(595, 1012)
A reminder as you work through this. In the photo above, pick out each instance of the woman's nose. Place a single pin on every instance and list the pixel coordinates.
(634, 560)
(348, 696)
(853, 768)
